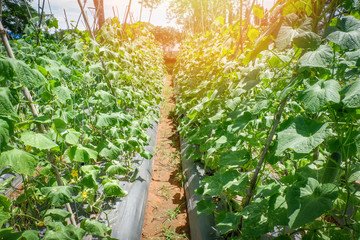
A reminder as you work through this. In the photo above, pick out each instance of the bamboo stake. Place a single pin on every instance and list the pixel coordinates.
(36, 114)
(141, 9)
(127, 14)
(39, 26)
(77, 23)
(0, 10)
(86, 20)
(66, 20)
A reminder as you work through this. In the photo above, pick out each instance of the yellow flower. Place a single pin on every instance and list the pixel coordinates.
(84, 194)
(46, 28)
(72, 181)
(85, 60)
(40, 224)
(74, 173)
(85, 47)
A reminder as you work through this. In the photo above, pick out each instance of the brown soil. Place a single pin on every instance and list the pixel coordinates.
(166, 214)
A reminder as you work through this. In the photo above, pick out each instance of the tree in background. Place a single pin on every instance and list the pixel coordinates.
(152, 4)
(99, 8)
(16, 15)
(167, 36)
(198, 15)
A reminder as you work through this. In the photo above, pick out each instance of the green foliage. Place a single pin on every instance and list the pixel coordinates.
(291, 100)
(90, 124)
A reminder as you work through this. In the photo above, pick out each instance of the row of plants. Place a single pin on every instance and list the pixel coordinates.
(94, 101)
(276, 126)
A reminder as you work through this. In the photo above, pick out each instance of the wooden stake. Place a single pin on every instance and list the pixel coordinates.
(66, 20)
(86, 20)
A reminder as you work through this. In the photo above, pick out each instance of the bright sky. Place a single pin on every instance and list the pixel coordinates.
(72, 9)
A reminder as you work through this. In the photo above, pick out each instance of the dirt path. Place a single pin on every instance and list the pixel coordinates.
(166, 215)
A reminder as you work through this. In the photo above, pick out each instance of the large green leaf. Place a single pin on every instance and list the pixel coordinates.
(79, 153)
(240, 122)
(94, 227)
(4, 133)
(56, 214)
(319, 94)
(37, 140)
(346, 34)
(291, 27)
(309, 202)
(25, 235)
(234, 158)
(302, 135)
(107, 98)
(112, 188)
(59, 195)
(20, 161)
(227, 221)
(307, 40)
(4, 217)
(255, 221)
(351, 94)
(91, 172)
(60, 231)
(63, 94)
(6, 107)
(11, 69)
(319, 58)
(222, 181)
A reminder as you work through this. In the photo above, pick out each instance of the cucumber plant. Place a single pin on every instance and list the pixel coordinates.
(277, 125)
(95, 100)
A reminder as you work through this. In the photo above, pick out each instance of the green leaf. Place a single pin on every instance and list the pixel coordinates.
(307, 40)
(69, 232)
(25, 235)
(109, 151)
(227, 221)
(319, 94)
(91, 172)
(346, 34)
(6, 107)
(63, 94)
(354, 177)
(351, 94)
(59, 195)
(57, 215)
(255, 222)
(206, 206)
(37, 140)
(79, 153)
(222, 181)
(4, 217)
(291, 27)
(4, 133)
(5, 203)
(112, 188)
(105, 97)
(310, 202)
(240, 122)
(319, 58)
(234, 158)
(302, 135)
(110, 120)
(116, 169)
(20, 161)
(72, 137)
(94, 227)
(15, 69)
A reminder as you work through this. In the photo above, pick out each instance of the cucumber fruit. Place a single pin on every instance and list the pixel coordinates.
(332, 168)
